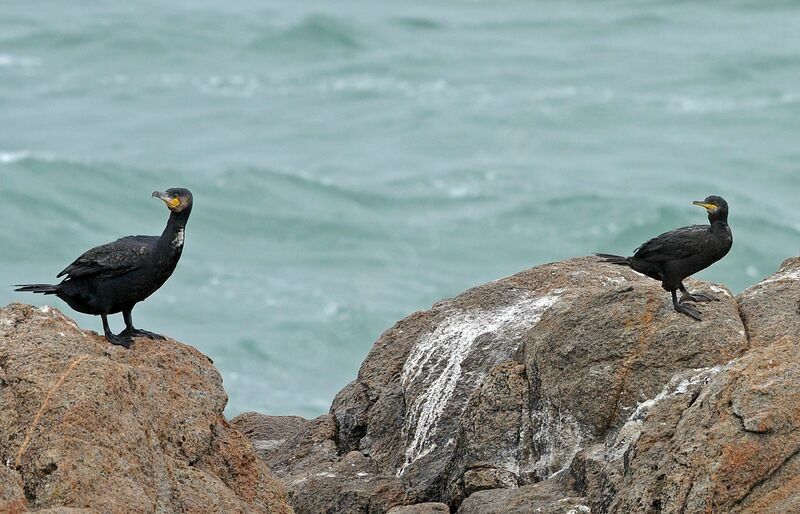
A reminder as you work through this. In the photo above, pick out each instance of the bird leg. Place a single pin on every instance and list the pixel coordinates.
(685, 309)
(695, 297)
(135, 332)
(119, 340)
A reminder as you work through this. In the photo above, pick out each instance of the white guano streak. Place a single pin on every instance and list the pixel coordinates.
(441, 353)
(791, 274)
(673, 389)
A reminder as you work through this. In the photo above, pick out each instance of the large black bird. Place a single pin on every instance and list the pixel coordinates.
(116, 276)
(679, 253)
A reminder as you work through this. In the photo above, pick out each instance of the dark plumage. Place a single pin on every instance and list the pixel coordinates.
(679, 253)
(116, 276)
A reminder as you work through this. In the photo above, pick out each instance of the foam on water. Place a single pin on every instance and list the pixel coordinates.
(11, 157)
(13, 60)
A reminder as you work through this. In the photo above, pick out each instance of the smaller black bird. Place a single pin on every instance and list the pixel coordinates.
(116, 276)
(679, 253)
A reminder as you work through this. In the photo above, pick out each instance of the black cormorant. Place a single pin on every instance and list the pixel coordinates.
(679, 253)
(116, 276)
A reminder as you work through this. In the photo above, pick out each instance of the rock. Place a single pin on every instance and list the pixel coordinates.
(553, 496)
(317, 478)
(727, 440)
(571, 387)
(267, 432)
(12, 495)
(66, 510)
(87, 425)
(349, 485)
(422, 508)
(770, 308)
(729, 446)
(500, 387)
(601, 469)
(595, 339)
(491, 427)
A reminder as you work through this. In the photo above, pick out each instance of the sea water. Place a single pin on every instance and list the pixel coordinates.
(355, 161)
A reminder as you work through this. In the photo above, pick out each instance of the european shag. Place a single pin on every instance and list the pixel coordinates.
(679, 253)
(116, 276)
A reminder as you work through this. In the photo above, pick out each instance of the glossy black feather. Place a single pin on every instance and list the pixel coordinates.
(114, 277)
(675, 255)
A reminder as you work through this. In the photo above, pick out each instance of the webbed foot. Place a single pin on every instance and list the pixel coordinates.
(120, 339)
(689, 311)
(137, 332)
(698, 297)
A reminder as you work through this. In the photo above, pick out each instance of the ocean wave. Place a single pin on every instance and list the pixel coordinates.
(722, 104)
(301, 184)
(641, 20)
(418, 23)
(23, 155)
(228, 86)
(7, 60)
(12, 157)
(318, 32)
(679, 103)
(371, 83)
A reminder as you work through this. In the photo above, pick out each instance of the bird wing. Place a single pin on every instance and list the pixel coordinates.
(123, 255)
(673, 245)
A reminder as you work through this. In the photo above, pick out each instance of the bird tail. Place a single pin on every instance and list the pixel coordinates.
(614, 259)
(37, 288)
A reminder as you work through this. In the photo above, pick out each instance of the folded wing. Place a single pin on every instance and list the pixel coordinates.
(121, 256)
(674, 245)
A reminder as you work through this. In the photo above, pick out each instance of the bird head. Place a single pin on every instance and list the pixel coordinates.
(716, 207)
(177, 199)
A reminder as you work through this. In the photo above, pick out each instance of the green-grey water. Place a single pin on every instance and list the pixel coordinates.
(355, 161)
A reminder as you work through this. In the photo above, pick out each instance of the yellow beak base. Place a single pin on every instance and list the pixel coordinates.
(707, 206)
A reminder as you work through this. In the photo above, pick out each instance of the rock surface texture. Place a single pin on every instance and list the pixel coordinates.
(570, 387)
(90, 427)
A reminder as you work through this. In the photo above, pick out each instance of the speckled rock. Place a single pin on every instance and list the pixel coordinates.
(718, 439)
(84, 424)
(568, 388)
(771, 308)
(268, 433)
(12, 495)
(552, 496)
(501, 386)
(595, 340)
(422, 508)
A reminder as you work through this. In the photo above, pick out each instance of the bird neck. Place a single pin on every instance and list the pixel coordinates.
(719, 224)
(719, 216)
(173, 232)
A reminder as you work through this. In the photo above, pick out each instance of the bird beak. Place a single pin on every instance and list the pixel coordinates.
(170, 201)
(710, 207)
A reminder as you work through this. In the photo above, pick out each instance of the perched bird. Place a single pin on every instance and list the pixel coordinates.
(679, 253)
(116, 276)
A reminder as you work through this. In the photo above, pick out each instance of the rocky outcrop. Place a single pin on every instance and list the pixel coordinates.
(555, 495)
(485, 397)
(568, 388)
(90, 427)
(721, 439)
(421, 508)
